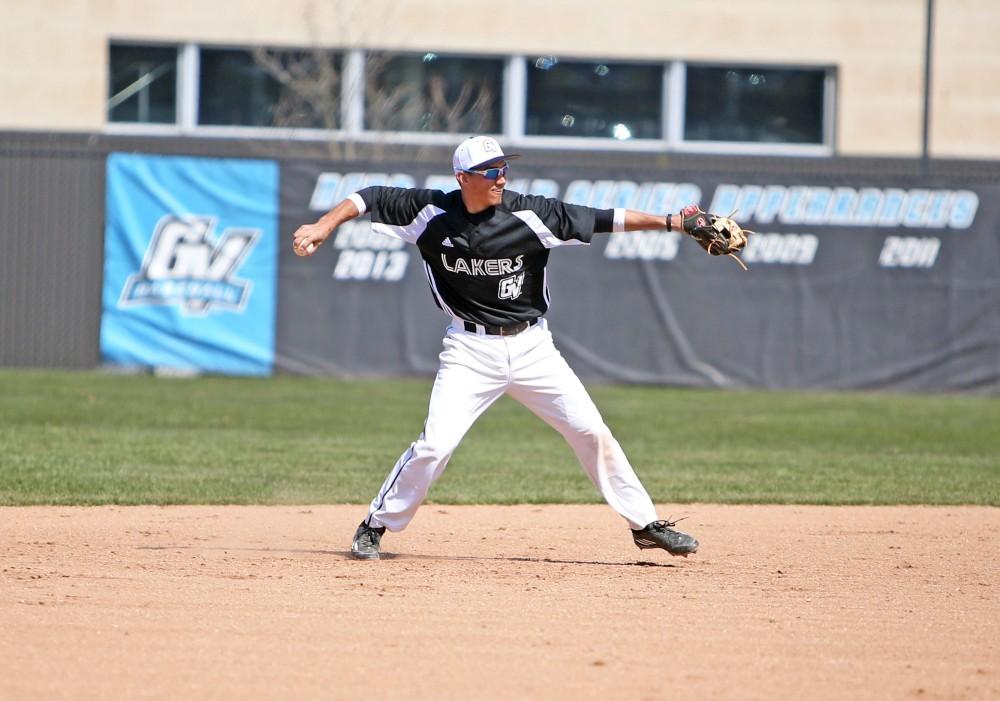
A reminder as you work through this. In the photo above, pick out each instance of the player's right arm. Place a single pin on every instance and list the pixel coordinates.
(308, 237)
(397, 212)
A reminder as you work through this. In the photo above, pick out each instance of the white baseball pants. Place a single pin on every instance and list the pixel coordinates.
(475, 371)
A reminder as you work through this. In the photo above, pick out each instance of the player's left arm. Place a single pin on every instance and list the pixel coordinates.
(717, 235)
(633, 220)
(569, 221)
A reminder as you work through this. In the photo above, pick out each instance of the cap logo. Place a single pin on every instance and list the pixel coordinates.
(478, 151)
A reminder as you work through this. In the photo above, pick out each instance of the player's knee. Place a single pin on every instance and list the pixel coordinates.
(437, 450)
(596, 432)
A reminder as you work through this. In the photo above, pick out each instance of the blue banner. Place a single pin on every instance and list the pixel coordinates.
(190, 263)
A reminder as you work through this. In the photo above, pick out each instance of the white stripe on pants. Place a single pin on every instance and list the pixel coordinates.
(475, 371)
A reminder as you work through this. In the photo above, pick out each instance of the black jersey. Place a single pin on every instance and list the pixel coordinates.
(488, 267)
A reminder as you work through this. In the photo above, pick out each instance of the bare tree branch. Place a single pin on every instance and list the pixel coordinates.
(310, 82)
(311, 88)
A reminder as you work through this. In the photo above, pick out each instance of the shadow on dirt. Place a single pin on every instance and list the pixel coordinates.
(346, 554)
(539, 560)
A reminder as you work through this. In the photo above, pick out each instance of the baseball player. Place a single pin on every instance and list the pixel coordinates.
(484, 251)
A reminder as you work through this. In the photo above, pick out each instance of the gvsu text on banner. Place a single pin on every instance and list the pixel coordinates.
(190, 263)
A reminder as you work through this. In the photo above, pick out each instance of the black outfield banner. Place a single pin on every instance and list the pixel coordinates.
(853, 282)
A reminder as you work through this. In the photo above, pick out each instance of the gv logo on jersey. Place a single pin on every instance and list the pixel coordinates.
(187, 266)
(510, 287)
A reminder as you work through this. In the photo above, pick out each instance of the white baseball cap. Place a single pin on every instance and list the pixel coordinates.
(477, 151)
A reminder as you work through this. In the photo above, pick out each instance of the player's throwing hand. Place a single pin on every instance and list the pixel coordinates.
(307, 238)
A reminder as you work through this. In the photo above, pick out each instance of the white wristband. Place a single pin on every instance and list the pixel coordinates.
(619, 221)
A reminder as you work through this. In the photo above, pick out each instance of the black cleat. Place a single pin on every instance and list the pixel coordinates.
(659, 534)
(366, 542)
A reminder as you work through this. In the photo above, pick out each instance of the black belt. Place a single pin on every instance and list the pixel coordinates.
(509, 330)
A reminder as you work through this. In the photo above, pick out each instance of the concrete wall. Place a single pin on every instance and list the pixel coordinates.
(53, 55)
(966, 118)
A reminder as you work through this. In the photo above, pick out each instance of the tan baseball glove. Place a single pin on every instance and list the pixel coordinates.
(720, 236)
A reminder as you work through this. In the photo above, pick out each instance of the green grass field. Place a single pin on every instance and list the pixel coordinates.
(90, 438)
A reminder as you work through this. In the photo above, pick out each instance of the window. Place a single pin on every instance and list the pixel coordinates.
(770, 105)
(590, 103)
(433, 93)
(269, 88)
(142, 85)
(614, 100)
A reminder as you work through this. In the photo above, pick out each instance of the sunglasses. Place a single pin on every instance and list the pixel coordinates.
(490, 173)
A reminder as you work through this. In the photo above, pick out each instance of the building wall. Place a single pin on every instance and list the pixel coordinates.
(966, 117)
(53, 55)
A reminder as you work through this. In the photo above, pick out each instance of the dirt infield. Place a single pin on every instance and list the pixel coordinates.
(548, 602)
